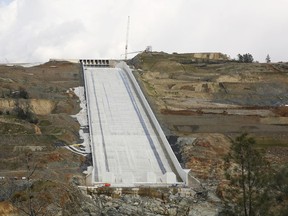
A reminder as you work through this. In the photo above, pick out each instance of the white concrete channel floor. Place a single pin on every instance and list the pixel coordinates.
(126, 149)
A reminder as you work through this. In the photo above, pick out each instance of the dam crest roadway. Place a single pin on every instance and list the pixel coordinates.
(128, 145)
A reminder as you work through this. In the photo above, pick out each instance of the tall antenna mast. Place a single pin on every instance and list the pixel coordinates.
(127, 35)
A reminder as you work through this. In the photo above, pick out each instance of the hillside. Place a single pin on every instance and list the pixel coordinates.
(201, 101)
(36, 104)
(215, 101)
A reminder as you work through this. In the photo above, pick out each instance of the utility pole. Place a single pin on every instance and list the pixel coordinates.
(127, 35)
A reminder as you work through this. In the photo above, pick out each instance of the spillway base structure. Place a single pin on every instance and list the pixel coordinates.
(128, 145)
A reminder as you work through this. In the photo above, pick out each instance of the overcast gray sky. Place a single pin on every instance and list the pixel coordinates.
(37, 30)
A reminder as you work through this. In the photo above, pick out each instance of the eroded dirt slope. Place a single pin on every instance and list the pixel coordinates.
(223, 99)
(35, 108)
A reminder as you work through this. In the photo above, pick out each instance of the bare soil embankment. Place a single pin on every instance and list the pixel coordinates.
(219, 99)
(35, 108)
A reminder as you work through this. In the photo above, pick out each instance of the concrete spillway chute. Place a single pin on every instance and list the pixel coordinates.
(128, 145)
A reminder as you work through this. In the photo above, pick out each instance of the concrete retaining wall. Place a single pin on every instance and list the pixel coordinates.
(92, 179)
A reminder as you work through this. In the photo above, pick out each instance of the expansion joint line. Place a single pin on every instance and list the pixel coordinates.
(90, 124)
(101, 126)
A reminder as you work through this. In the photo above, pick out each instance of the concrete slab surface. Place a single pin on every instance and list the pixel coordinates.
(125, 147)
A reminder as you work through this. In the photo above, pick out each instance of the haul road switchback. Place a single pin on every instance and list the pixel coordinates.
(128, 146)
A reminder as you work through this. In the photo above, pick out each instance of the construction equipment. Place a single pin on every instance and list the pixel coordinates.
(127, 35)
(148, 49)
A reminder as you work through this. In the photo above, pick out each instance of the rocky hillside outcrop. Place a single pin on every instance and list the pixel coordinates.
(37, 106)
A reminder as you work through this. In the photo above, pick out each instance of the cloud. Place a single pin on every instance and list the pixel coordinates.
(5, 2)
(37, 30)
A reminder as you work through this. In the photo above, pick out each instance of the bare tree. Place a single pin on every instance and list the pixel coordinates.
(40, 197)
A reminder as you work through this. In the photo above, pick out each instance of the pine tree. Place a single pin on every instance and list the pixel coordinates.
(247, 172)
(268, 59)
